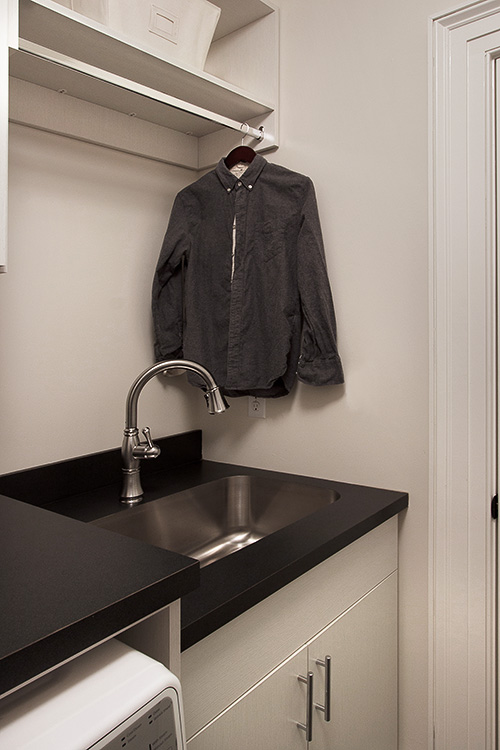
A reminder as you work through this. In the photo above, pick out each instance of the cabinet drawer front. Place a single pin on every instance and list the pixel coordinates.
(220, 668)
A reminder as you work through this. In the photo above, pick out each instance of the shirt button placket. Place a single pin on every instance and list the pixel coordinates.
(237, 288)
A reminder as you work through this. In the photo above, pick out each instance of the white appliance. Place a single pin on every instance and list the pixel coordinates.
(111, 698)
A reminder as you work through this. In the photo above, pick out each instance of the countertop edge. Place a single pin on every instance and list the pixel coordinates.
(39, 548)
(57, 648)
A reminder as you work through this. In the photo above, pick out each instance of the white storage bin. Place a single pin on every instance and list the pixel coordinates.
(95, 9)
(178, 30)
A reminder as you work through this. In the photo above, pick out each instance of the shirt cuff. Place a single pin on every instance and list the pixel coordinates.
(321, 371)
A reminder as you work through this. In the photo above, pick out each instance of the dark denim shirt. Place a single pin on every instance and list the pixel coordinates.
(259, 320)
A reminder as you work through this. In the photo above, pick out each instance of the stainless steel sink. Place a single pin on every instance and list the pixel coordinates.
(213, 520)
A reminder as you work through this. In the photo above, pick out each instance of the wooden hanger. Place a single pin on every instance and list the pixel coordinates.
(240, 153)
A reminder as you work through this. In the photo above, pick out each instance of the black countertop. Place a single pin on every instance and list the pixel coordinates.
(68, 585)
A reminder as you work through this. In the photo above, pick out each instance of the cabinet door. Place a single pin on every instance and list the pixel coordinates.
(362, 644)
(266, 717)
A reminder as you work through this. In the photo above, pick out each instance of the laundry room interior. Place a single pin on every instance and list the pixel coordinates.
(341, 94)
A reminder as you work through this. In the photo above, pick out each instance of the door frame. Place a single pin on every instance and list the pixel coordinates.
(462, 535)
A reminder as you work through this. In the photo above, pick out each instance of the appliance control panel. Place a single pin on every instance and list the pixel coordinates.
(156, 726)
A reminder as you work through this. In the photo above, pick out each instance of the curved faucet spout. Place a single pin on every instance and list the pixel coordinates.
(132, 449)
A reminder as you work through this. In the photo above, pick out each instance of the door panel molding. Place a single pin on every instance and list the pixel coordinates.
(464, 47)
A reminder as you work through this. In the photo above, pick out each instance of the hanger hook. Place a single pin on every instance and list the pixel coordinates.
(247, 126)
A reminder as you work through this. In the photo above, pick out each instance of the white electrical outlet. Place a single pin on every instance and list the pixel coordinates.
(256, 407)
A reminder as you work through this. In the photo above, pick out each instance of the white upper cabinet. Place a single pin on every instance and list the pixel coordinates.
(98, 81)
(8, 38)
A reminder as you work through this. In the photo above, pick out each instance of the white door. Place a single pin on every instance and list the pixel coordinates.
(462, 534)
(497, 379)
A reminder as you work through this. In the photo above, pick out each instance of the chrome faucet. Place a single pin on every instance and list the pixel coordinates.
(132, 449)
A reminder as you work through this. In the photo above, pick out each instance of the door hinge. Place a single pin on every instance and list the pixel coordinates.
(494, 508)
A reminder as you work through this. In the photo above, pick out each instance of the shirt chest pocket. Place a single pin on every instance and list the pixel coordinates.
(270, 239)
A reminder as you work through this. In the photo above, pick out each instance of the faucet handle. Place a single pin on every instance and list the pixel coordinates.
(147, 434)
(147, 449)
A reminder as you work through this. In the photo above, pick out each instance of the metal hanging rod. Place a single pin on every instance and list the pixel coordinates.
(105, 76)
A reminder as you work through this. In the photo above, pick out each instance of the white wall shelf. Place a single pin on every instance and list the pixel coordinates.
(70, 75)
(4, 112)
(62, 51)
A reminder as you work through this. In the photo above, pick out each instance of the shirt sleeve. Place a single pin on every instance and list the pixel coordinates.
(167, 295)
(319, 361)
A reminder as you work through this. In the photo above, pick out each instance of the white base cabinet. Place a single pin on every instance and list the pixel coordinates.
(362, 644)
(361, 641)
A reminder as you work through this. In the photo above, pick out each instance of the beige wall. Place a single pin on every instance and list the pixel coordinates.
(354, 101)
(86, 224)
(85, 230)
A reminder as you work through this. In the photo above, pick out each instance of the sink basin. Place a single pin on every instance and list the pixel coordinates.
(218, 518)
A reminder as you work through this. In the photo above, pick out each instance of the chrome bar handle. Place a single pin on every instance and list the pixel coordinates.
(307, 727)
(327, 708)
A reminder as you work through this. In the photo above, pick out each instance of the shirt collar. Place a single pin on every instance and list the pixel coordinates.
(248, 179)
